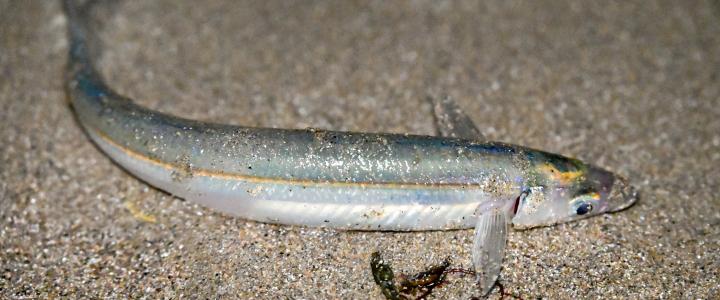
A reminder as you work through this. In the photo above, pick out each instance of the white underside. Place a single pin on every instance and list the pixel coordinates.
(369, 207)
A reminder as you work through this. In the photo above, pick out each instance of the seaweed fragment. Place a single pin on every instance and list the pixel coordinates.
(504, 293)
(384, 277)
(417, 286)
(420, 285)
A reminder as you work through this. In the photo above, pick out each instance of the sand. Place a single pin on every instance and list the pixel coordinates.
(632, 86)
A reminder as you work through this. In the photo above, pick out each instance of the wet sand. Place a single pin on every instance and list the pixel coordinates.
(634, 87)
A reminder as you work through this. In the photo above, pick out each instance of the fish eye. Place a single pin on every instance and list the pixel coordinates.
(583, 208)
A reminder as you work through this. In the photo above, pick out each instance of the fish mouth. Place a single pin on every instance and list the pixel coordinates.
(622, 195)
(616, 190)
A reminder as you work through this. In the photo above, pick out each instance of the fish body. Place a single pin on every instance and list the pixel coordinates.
(348, 180)
(304, 177)
(310, 177)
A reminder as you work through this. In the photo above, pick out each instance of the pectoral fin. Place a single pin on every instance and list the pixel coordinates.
(489, 247)
(450, 121)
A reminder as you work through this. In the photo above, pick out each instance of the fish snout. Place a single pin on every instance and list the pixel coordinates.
(616, 192)
(622, 195)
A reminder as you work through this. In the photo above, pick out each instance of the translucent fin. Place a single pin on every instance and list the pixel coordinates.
(450, 121)
(489, 247)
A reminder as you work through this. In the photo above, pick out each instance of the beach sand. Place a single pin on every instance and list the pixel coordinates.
(631, 86)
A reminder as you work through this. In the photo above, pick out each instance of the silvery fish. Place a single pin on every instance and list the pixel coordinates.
(346, 180)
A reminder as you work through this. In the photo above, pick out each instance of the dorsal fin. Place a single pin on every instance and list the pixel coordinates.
(450, 121)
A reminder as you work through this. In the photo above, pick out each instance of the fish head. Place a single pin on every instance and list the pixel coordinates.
(564, 190)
